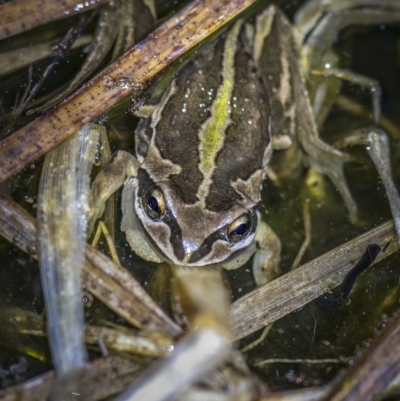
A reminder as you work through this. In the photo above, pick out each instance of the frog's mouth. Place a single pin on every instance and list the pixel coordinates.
(217, 246)
(214, 250)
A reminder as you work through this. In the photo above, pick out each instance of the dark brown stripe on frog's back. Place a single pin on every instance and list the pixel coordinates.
(176, 134)
(247, 136)
(274, 50)
(210, 125)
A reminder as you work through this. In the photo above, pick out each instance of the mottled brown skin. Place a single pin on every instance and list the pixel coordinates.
(176, 134)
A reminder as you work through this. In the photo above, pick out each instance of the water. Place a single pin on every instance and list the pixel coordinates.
(309, 333)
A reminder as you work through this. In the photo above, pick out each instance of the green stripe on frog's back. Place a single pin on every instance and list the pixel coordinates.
(212, 133)
(246, 150)
(214, 125)
(179, 117)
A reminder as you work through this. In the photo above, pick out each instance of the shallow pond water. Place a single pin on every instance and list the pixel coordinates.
(308, 334)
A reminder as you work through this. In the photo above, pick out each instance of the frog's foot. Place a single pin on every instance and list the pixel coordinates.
(365, 82)
(98, 49)
(159, 287)
(267, 257)
(323, 157)
(377, 145)
(110, 179)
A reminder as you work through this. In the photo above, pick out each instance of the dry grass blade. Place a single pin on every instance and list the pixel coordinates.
(21, 15)
(147, 58)
(63, 208)
(17, 225)
(103, 378)
(14, 59)
(108, 282)
(115, 338)
(299, 287)
(119, 290)
(306, 394)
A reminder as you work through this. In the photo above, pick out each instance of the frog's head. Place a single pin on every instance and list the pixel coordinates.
(161, 225)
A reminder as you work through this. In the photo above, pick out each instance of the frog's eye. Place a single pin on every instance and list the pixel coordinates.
(239, 228)
(155, 204)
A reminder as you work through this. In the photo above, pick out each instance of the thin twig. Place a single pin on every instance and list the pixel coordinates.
(257, 341)
(307, 236)
(300, 360)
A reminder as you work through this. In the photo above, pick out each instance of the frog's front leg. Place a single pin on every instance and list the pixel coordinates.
(267, 257)
(109, 180)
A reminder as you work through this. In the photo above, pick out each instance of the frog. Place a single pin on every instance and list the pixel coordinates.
(192, 193)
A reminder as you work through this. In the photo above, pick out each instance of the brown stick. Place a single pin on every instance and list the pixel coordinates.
(147, 58)
(373, 372)
(21, 15)
(103, 378)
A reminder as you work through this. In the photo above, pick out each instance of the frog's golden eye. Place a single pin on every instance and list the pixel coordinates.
(155, 204)
(239, 229)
